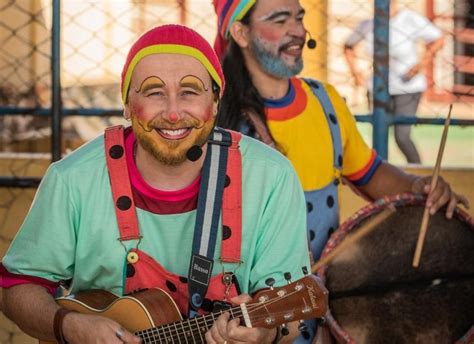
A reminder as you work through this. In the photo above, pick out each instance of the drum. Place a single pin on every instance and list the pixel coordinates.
(376, 296)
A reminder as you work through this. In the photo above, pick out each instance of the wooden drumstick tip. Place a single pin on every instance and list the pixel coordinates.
(434, 181)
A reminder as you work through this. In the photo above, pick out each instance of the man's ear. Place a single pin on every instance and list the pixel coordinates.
(126, 112)
(240, 34)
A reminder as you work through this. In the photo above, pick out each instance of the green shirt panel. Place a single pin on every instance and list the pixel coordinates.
(71, 230)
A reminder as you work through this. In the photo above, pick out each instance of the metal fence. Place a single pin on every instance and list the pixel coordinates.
(60, 62)
(60, 66)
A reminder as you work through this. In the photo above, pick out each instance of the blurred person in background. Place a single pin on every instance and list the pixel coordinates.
(407, 80)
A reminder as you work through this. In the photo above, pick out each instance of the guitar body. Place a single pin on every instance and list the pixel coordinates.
(153, 315)
(140, 311)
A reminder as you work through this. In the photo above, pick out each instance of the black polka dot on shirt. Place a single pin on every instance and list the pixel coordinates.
(309, 207)
(333, 118)
(207, 305)
(116, 152)
(227, 181)
(130, 270)
(312, 235)
(171, 286)
(330, 201)
(124, 203)
(226, 232)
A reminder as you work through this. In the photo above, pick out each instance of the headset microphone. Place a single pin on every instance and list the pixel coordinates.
(194, 153)
(311, 43)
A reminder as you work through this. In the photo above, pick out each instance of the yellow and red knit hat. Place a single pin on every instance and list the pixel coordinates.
(171, 39)
(228, 12)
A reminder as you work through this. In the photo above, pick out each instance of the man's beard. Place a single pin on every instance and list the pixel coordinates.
(274, 64)
(171, 152)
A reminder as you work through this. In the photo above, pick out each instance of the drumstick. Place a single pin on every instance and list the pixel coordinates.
(352, 238)
(434, 181)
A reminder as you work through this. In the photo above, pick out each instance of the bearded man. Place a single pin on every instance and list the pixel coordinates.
(155, 205)
(261, 43)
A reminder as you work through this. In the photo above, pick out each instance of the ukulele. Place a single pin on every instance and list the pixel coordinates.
(154, 317)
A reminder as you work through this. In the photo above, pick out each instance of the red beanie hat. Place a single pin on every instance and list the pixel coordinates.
(171, 39)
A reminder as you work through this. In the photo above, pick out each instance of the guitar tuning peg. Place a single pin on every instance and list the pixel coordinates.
(288, 277)
(305, 270)
(303, 328)
(270, 282)
(284, 330)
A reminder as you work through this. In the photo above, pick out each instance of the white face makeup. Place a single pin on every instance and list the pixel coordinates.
(171, 105)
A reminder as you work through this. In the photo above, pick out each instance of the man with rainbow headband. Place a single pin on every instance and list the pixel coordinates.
(171, 202)
(260, 44)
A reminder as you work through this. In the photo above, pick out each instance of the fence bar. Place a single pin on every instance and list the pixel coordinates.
(380, 81)
(20, 182)
(10, 110)
(416, 120)
(56, 104)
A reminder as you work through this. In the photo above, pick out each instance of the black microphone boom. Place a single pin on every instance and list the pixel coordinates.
(194, 153)
(311, 43)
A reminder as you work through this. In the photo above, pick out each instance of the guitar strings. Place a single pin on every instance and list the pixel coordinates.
(182, 337)
(185, 329)
(235, 312)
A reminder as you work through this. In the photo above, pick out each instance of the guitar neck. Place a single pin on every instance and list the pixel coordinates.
(185, 331)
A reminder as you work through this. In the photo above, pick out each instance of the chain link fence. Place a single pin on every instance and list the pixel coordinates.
(96, 35)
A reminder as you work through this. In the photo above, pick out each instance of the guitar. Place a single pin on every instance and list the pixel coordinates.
(154, 317)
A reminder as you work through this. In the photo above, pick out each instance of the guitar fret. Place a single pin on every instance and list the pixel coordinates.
(190, 333)
(176, 329)
(159, 335)
(184, 332)
(171, 334)
(199, 329)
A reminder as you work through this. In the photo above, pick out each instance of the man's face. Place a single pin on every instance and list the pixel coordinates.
(277, 36)
(171, 105)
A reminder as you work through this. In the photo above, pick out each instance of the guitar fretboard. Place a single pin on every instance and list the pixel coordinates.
(185, 331)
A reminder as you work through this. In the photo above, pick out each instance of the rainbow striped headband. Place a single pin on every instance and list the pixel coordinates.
(228, 12)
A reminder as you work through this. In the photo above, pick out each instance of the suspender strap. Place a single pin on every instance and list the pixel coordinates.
(207, 217)
(120, 183)
(232, 204)
(320, 92)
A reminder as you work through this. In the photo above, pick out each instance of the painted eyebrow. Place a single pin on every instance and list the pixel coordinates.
(147, 85)
(193, 85)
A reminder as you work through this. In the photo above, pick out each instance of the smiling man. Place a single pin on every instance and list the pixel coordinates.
(171, 202)
(261, 44)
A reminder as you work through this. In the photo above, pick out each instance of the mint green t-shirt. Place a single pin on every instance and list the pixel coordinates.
(71, 230)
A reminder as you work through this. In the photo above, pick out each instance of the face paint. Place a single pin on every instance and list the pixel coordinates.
(277, 37)
(170, 152)
(194, 83)
(173, 111)
(273, 63)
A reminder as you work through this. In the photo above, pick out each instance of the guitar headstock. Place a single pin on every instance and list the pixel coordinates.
(306, 298)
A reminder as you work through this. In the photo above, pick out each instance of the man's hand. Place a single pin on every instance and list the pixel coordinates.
(229, 331)
(82, 328)
(441, 195)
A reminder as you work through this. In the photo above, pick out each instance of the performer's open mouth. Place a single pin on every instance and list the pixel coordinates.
(173, 134)
(293, 48)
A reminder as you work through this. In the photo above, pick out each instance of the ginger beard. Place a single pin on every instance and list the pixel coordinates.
(152, 137)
